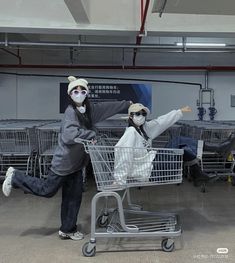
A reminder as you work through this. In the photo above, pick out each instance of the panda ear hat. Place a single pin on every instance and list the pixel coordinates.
(74, 82)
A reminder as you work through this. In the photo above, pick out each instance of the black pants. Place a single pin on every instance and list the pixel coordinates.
(71, 193)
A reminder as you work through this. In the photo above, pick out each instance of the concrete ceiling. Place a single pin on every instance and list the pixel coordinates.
(116, 24)
(112, 17)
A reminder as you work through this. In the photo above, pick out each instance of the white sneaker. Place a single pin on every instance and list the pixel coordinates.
(74, 236)
(7, 186)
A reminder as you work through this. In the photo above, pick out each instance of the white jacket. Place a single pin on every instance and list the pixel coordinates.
(132, 159)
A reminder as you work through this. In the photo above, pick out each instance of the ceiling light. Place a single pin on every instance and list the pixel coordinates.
(201, 44)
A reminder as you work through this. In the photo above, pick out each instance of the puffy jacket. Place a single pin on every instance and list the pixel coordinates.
(69, 156)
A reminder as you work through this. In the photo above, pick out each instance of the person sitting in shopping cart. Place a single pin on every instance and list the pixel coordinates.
(69, 157)
(140, 134)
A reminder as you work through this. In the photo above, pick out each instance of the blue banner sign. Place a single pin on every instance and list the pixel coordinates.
(100, 92)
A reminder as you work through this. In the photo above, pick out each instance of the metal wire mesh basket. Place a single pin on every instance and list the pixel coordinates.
(116, 168)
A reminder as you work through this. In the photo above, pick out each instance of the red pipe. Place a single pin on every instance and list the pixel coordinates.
(141, 10)
(144, 17)
(121, 67)
(143, 20)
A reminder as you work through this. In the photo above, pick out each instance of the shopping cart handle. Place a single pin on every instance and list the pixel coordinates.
(84, 141)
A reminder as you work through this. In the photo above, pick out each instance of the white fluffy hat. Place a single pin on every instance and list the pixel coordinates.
(135, 107)
(74, 82)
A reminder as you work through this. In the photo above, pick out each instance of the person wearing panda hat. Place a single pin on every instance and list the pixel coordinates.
(69, 157)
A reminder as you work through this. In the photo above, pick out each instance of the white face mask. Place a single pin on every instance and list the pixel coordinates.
(139, 120)
(78, 96)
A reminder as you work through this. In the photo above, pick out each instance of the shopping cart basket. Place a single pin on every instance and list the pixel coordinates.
(47, 141)
(157, 167)
(15, 149)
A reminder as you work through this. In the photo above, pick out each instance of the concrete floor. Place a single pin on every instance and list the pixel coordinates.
(29, 227)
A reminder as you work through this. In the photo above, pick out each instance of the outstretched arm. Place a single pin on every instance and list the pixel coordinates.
(102, 111)
(157, 126)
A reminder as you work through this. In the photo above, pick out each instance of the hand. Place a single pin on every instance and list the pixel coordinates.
(186, 109)
(93, 141)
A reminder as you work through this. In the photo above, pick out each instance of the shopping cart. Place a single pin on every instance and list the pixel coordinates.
(47, 141)
(221, 164)
(15, 149)
(156, 167)
(19, 144)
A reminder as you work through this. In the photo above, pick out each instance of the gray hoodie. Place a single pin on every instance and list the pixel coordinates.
(69, 156)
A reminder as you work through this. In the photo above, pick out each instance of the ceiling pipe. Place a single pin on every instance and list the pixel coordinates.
(139, 37)
(162, 9)
(130, 46)
(6, 39)
(88, 45)
(121, 67)
(206, 80)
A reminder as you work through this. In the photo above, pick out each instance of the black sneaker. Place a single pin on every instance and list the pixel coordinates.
(205, 178)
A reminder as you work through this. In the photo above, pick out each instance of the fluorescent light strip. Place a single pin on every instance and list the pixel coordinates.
(202, 44)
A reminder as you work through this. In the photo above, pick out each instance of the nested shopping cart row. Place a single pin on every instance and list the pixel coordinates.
(23, 145)
(213, 132)
(210, 131)
(29, 144)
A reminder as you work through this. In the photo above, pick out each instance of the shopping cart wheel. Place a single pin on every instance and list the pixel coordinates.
(103, 220)
(168, 245)
(89, 249)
